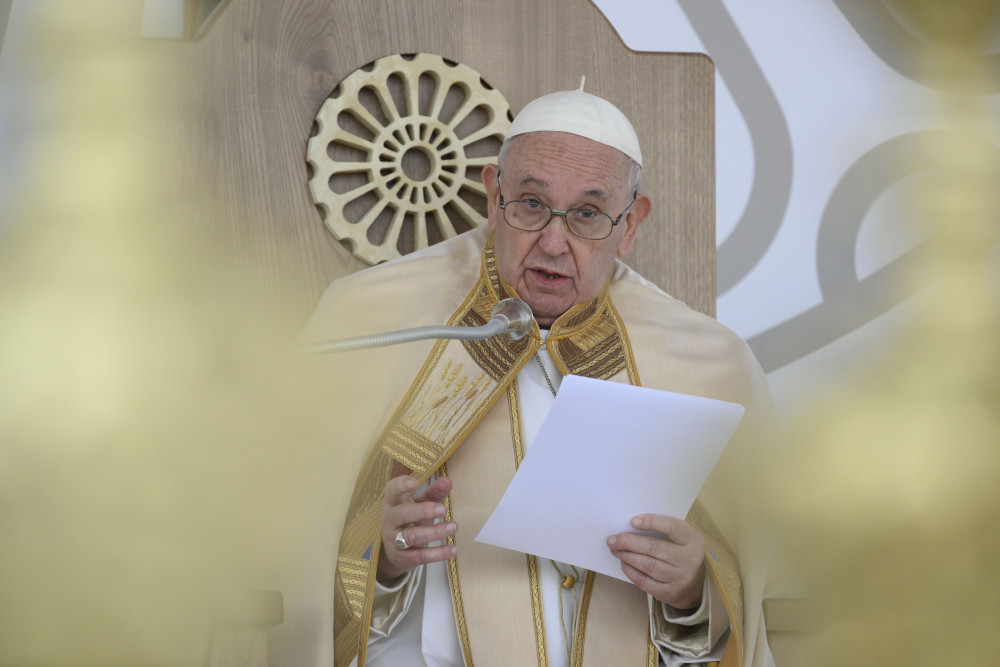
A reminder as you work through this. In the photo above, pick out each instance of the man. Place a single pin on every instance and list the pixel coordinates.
(412, 584)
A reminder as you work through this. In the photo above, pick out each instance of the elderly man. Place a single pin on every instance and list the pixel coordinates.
(413, 587)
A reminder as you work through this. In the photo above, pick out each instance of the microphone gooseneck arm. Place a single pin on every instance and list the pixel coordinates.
(510, 316)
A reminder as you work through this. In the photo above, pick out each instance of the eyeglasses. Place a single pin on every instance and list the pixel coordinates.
(531, 215)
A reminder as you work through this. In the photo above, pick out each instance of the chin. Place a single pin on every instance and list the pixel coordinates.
(545, 320)
(546, 312)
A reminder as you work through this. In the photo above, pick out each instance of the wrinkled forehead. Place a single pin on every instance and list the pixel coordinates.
(560, 159)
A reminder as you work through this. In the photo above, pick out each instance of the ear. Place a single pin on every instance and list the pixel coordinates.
(492, 186)
(635, 217)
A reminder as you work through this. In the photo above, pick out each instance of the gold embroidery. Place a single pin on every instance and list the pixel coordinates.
(415, 451)
(363, 529)
(446, 400)
(603, 361)
(361, 534)
(536, 610)
(441, 405)
(344, 651)
(456, 591)
(494, 355)
(515, 422)
(489, 270)
(513, 397)
(581, 621)
(588, 340)
(352, 574)
(723, 568)
(373, 555)
(369, 495)
(629, 356)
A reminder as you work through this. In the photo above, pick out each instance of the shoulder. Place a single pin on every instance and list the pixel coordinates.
(454, 257)
(644, 306)
(678, 348)
(421, 288)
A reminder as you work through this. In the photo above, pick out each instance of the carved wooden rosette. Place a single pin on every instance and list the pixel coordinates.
(397, 152)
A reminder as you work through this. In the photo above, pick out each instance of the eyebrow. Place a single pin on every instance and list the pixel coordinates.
(534, 180)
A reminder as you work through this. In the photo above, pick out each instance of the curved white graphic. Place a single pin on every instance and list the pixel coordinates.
(822, 119)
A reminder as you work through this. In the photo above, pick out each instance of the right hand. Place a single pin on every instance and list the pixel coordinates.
(415, 516)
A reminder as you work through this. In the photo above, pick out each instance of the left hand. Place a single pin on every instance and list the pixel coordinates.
(671, 568)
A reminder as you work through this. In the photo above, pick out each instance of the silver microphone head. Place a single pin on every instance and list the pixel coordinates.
(518, 316)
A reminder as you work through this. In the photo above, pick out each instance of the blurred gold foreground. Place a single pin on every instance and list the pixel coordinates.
(159, 453)
(885, 488)
(158, 456)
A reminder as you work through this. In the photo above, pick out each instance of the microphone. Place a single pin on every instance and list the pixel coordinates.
(510, 316)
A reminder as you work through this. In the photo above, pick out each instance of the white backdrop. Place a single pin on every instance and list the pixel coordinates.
(818, 114)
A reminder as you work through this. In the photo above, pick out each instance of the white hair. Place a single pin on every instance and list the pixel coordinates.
(634, 175)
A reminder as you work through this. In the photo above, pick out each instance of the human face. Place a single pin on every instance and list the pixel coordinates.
(551, 269)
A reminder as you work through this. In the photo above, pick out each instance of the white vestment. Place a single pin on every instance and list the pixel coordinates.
(676, 349)
(415, 617)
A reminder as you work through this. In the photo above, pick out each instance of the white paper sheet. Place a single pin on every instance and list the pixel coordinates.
(606, 452)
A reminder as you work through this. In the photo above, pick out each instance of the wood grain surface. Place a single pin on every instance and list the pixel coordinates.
(261, 70)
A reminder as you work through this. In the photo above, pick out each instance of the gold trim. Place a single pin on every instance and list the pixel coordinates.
(372, 573)
(494, 355)
(719, 564)
(344, 652)
(410, 448)
(453, 391)
(588, 340)
(513, 398)
(456, 592)
(730, 611)
(576, 659)
(352, 573)
(515, 422)
(536, 610)
(630, 365)
(444, 404)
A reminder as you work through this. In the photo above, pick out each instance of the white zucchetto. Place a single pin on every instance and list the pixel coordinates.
(579, 113)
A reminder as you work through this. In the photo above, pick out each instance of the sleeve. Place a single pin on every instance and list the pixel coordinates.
(692, 637)
(390, 605)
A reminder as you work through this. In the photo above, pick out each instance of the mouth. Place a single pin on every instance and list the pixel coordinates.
(549, 276)
(549, 279)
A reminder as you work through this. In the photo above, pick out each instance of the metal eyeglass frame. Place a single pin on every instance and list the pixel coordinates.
(562, 214)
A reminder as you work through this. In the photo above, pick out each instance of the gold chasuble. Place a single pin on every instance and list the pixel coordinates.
(460, 417)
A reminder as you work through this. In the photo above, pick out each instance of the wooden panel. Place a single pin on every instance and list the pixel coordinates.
(264, 68)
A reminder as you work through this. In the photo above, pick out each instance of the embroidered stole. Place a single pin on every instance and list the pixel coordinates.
(466, 394)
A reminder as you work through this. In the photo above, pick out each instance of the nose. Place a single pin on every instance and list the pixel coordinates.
(554, 238)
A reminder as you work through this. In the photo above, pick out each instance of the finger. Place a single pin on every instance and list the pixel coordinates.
(437, 491)
(411, 558)
(399, 489)
(649, 566)
(681, 593)
(395, 517)
(649, 547)
(421, 536)
(674, 529)
(395, 562)
(641, 579)
(678, 586)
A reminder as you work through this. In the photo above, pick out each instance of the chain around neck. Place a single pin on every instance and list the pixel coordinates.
(545, 374)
